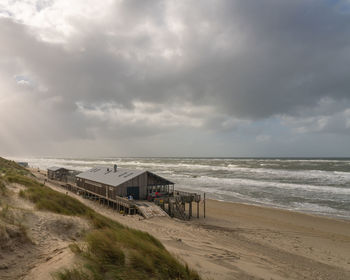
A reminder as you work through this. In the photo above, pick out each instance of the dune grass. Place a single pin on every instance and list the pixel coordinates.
(2, 188)
(6, 167)
(11, 166)
(110, 250)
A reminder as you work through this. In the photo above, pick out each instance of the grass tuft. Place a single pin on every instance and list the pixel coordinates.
(104, 249)
(73, 274)
(2, 188)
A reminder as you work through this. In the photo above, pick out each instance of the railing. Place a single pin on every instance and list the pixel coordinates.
(117, 199)
(192, 196)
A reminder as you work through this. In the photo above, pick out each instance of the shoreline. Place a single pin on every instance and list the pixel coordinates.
(241, 241)
(277, 207)
(311, 213)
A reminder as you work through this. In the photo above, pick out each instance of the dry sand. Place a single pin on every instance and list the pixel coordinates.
(238, 241)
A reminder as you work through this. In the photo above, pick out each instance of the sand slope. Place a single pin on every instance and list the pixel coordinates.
(44, 247)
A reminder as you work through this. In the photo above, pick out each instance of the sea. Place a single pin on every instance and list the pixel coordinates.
(313, 185)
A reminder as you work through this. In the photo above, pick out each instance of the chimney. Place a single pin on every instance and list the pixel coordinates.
(115, 168)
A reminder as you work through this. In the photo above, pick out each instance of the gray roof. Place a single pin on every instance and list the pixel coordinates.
(107, 176)
(55, 168)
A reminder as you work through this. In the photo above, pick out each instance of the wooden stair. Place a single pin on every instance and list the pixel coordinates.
(150, 210)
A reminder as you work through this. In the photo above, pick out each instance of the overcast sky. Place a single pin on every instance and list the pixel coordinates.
(228, 78)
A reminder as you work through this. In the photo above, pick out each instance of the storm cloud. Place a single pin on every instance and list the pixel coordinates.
(178, 77)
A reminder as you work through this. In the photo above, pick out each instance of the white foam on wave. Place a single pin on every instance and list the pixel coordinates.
(235, 183)
(278, 173)
(311, 207)
(225, 194)
(326, 176)
(44, 163)
(290, 186)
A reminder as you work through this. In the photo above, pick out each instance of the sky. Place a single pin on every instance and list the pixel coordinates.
(223, 78)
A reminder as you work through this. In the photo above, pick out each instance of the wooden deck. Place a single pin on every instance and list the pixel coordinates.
(122, 205)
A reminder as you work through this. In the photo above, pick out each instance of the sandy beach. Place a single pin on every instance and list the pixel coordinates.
(239, 241)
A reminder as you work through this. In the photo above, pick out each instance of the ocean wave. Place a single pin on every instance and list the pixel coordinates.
(229, 183)
(227, 194)
(164, 164)
(311, 207)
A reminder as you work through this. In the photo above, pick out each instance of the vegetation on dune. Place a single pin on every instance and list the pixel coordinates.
(127, 254)
(11, 221)
(110, 250)
(11, 166)
(11, 224)
(7, 167)
(2, 187)
(48, 199)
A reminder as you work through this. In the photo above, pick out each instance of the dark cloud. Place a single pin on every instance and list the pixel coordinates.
(225, 63)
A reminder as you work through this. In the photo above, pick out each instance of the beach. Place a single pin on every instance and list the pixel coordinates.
(241, 241)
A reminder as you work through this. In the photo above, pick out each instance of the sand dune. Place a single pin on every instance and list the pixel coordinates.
(44, 248)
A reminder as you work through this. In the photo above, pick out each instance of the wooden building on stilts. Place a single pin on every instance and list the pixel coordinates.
(118, 182)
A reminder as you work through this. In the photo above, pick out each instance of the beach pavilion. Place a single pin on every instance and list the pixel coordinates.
(111, 182)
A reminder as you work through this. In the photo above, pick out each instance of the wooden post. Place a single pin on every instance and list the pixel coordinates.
(197, 209)
(190, 210)
(204, 205)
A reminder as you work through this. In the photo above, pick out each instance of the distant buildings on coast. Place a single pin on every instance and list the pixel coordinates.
(23, 164)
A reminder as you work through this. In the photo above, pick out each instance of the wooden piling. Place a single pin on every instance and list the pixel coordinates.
(204, 205)
(190, 210)
(197, 210)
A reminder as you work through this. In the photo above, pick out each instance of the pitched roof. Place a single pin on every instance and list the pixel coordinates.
(107, 176)
(55, 168)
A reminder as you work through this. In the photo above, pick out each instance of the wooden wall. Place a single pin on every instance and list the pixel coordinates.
(60, 174)
(139, 181)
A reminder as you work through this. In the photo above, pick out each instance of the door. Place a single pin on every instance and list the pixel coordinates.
(110, 193)
(134, 191)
